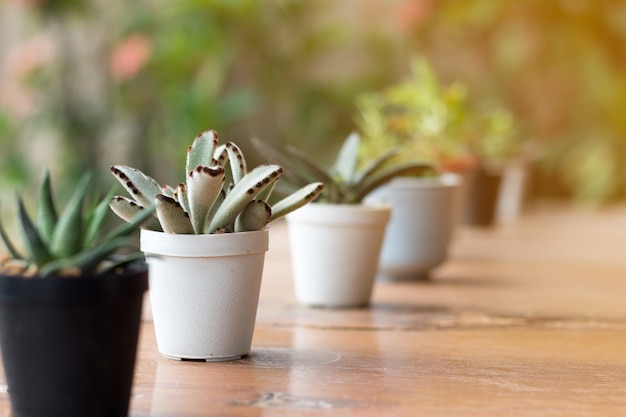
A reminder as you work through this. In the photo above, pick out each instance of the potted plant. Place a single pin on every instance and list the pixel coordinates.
(430, 121)
(335, 242)
(206, 246)
(70, 309)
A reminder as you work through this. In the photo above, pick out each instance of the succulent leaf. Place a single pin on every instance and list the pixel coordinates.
(126, 229)
(181, 196)
(220, 156)
(293, 172)
(128, 209)
(120, 261)
(244, 192)
(296, 200)
(46, 217)
(316, 170)
(67, 236)
(167, 190)
(348, 158)
(74, 248)
(203, 187)
(218, 203)
(172, 216)
(375, 181)
(237, 161)
(255, 216)
(86, 260)
(36, 248)
(375, 164)
(267, 192)
(140, 186)
(8, 243)
(200, 153)
(95, 218)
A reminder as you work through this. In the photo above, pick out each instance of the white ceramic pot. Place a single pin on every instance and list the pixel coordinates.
(334, 252)
(204, 292)
(422, 224)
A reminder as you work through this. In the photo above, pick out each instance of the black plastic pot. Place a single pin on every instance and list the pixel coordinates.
(69, 344)
(482, 197)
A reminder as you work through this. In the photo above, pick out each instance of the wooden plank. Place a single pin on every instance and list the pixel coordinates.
(527, 319)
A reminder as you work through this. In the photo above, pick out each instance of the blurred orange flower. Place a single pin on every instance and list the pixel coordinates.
(129, 57)
(410, 13)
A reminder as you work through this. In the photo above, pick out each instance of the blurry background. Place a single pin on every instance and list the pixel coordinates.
(86, 84)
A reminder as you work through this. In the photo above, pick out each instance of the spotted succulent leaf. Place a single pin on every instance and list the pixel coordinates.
(203, 187)
(172, 216)
(141, 187)
(128, 210)
(181, 196)
(205, 203)
(237, 162)
(242, 193)
(200, 153)
(255, 216)
(296, 200)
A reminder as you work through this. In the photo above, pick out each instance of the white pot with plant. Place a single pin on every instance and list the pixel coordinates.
(424, 219)
(335, 242)
(206, 247)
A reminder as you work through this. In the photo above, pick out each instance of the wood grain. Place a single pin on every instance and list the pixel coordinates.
(526, 319)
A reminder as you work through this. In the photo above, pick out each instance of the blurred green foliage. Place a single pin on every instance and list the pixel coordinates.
(558, 64)
(436, 123)
(132, 82)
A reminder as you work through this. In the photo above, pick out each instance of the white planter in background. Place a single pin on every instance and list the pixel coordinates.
(204, 292)
(334, 251)
(425, 213)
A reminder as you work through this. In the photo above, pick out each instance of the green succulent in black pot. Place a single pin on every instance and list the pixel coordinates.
(70, 307)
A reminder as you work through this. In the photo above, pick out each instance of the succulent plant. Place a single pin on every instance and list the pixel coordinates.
(68, 243)
(347, 182)
(206, 202)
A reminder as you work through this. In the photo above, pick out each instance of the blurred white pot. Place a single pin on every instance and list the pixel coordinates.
(335, 250)
(424, 217)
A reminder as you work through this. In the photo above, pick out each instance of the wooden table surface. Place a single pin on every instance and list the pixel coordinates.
(525, 319)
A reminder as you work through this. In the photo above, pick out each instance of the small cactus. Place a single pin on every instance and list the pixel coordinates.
(346, 181)
(205, 203)
(68, 243)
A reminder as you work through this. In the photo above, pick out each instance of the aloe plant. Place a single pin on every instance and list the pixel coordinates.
(68, 243)
(206, 202)
(347, 180)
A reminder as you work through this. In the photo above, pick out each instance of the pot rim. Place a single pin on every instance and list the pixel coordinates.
(341, 214)
(204, 245)
(447, 180)
(57, 289)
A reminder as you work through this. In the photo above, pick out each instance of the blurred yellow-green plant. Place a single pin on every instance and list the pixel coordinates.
(436, 123)
(84, 82)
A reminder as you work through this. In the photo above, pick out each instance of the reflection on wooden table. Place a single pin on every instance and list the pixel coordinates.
(528, 319)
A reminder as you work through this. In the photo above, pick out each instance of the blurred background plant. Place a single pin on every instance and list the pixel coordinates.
(436, 123)
(88, 83)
